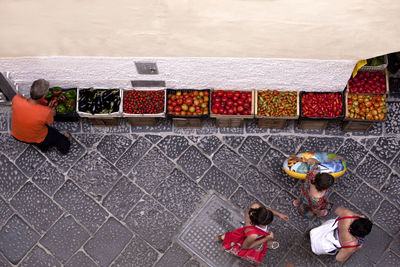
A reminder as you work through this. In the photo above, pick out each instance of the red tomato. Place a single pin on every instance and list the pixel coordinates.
(229, 94)
(179, 101)
(240, 109)
(224, 99)
(220, 93)
(243, 96)
(229, 103)
(177, 108)
(214, 110)
(189, 101)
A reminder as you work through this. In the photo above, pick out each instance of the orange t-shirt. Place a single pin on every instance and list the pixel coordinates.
(28, 122)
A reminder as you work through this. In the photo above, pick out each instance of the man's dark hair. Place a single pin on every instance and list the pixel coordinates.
(360, 227)
(323, 181)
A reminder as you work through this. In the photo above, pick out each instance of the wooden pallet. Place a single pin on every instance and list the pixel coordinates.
(229, 123)
(187, 122)
(104, 121)
(272, 123)
(312, 124)
(142, 121)
(357, 126)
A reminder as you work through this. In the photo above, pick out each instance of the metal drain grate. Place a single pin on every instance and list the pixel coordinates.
(215, 218)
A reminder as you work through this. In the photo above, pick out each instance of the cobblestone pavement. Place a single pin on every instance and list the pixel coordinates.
(124, 193)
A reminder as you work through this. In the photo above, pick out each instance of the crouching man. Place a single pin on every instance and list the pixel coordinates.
(30, 120)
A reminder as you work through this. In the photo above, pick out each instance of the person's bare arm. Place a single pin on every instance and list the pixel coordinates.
(52, 106)
(342, 211)
(345, 253)
(280, 214)
(251, 241)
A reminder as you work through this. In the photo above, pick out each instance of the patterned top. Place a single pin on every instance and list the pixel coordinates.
(311, 204)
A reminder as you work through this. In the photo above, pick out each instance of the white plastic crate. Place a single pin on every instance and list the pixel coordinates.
(157, 115)
(99, 116)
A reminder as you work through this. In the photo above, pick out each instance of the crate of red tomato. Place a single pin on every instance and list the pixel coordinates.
(321, 105)
(232, 104)
(188, 103)
(369, 82)
(144, 103)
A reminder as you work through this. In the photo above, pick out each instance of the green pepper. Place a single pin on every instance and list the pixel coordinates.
(61, 108)
(71, 94)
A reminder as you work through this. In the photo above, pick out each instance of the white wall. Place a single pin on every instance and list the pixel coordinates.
(225, 73)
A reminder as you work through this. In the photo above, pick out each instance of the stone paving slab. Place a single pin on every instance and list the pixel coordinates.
(152, 169)
(216, 217)
(29, 161)
(16, 239)
(81, 206)
(153, 223)
(39, 257)
(137, 253)
(37, 208)
(64, 238)
(108, 242)
(143, 185)
(80, 259)
(179, 194)
(123, 196)
(48, 178)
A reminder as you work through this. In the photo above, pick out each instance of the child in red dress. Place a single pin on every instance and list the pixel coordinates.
(251, 241)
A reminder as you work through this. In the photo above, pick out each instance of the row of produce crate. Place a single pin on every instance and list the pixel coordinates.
(363, 99)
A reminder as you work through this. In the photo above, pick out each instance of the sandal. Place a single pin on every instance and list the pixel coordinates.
(273, 245)
(219, 238)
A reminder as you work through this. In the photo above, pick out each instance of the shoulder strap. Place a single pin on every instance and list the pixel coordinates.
(354, 246)
(254, 231)
(347, 217)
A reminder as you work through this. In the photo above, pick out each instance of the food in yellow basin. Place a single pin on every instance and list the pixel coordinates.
(297, 165)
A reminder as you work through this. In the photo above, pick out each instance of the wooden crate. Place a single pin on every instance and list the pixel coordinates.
(142, 121)
(305, 124)
(252, 108)
(385, 72)
(104, 121)
(229, 123)
(187, 122)
(272, 123)
(357, 126)
(347, 117)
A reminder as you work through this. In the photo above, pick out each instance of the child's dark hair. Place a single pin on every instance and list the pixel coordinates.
(360, 227)
(323, 181)
(261, 215)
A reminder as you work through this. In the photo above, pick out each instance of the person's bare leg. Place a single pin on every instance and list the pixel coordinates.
(220, 238)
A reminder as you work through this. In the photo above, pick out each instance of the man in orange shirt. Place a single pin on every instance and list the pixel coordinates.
(30, 120)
